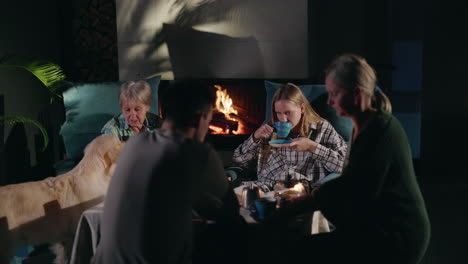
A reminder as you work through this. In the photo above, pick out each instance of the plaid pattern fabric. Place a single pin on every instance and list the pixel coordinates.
(282, 164)
(117, 126)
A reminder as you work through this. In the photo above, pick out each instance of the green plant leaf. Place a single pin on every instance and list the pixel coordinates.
(50, 74)
(21, 119)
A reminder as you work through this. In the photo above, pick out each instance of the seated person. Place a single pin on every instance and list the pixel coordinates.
(316, 149)
(135, 102)
(161, 176)
(376, 205)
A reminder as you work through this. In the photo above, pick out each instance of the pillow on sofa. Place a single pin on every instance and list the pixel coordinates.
(88, 106)
(317, 96)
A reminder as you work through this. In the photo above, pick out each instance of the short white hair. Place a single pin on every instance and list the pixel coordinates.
(139, 91)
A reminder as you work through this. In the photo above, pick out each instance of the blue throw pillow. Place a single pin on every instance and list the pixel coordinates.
(317, 96)
(88, 106)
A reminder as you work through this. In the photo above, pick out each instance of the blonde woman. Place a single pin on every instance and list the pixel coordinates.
(376, 205)
(316, 149)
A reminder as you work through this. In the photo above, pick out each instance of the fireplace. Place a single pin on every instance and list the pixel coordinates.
(240, 110)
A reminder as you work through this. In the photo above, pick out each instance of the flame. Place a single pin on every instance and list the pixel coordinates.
(225, 105)
(216, 130)
(298, 187)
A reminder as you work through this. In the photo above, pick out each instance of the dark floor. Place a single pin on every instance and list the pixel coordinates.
(449, 221)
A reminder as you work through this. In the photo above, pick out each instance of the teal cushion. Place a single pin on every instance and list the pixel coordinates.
(317, 96)
(88, 106)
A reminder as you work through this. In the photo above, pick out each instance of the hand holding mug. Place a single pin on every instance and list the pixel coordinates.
(282, 129)
(302, 144)
(264, 131)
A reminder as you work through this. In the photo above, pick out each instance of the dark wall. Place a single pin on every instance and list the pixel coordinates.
(445, 93)
(444, 130)
(371, 29)
(28, 29)
(78, 35)
(437, 31)
(89, 40)
(340, 26)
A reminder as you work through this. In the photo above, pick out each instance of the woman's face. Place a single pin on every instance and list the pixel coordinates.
(340, 99)
(134, 113)
(287, 111)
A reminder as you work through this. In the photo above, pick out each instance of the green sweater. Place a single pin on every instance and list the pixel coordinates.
(377, 200)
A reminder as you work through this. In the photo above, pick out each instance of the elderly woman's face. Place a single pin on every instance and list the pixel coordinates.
(134, 113)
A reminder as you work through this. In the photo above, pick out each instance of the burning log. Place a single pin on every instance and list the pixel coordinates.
(227, 119)
(220, 121)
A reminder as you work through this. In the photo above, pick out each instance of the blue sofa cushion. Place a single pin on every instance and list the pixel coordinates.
(88, 106)
(317, 96)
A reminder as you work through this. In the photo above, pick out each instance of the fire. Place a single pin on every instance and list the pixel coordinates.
(216, 130)
(225, 105)
(298, 187)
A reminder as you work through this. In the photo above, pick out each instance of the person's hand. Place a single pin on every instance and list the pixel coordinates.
(263, 132)
(302, 144)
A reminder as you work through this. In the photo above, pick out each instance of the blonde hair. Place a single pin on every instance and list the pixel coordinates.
(352, 72)
(294, 94)
(139, 91)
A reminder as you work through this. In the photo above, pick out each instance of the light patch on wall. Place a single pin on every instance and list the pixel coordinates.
(225, 28)
(212, 38)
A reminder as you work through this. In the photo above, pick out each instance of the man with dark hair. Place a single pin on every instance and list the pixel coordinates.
(162, 177)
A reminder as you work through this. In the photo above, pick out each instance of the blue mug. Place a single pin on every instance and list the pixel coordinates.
(282, 129)
(265, 207)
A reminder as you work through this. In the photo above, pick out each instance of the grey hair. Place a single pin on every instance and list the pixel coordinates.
(139, 91)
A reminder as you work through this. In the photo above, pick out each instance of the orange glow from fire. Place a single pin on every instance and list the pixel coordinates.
(216, 130)
(298, 187)
(225, 105)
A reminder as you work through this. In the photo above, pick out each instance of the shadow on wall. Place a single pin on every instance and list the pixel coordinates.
(188, 15)
(17, 156)
(15, 166)
(198, 54)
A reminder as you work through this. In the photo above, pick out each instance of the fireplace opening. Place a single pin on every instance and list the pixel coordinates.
(239, 110)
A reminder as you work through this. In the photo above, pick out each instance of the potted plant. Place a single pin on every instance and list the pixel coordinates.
(50, 74)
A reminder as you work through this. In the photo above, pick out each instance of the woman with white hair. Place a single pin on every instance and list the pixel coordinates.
(135, 102)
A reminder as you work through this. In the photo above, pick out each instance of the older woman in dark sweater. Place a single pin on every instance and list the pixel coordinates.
(376, 205)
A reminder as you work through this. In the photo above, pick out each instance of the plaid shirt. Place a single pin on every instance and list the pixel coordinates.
(281, 164)
(117, 126)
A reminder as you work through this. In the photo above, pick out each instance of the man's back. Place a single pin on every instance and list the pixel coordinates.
(160, 177)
